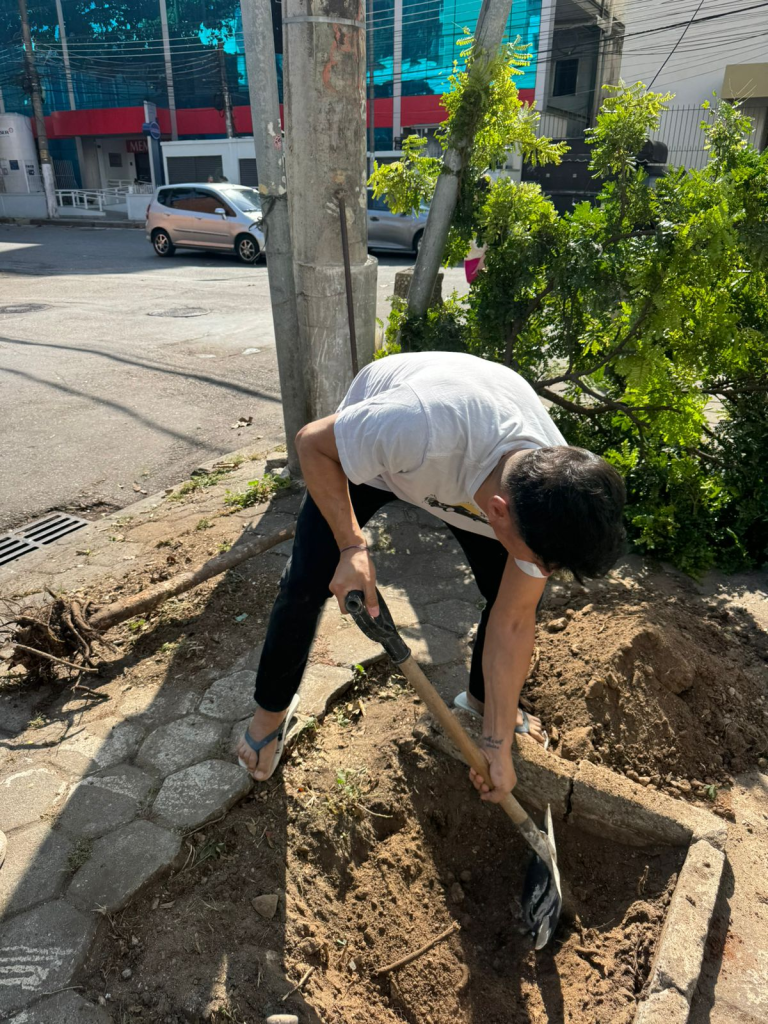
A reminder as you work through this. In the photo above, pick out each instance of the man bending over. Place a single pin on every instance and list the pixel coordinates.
(469, 441)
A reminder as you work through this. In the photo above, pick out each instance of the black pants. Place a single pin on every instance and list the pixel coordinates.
(304, 590)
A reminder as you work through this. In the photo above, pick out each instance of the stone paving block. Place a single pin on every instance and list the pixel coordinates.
(421, 592)
(321, 685)
(27, 794)
(121, 864)
(127, 780)
(449, 680)
(431, 645)
(399, 568)
(94, 808)
(340, 642)
(99, 745)
(611, 806)
(230, 697)
(40, 952)
(64, 1008)
(668, 1007)
(181, 743)
(199, 793)
(35, 870)
(681, 947)
(155, 703)
(457, 616)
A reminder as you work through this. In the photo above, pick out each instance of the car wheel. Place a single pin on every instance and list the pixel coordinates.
(247, 249)
(417, 242)
(162, 244)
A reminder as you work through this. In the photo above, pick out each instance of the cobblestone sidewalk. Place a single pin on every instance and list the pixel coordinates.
(96, 802)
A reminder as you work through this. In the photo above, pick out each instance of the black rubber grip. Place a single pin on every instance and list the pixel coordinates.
(382, 629)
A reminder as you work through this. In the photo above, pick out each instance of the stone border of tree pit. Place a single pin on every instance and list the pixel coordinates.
(606, 804)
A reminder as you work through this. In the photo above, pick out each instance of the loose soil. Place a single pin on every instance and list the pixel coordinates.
(652, 681)
(374, 845)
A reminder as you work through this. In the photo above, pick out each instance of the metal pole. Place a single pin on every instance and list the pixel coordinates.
(46, 164)
(371, 38)
(348, 284)
(489, 33)
(70, 85)
(325, 103)
(397, 71)
(168, 69)
(2, 102)
(258, 42)
(225, 95)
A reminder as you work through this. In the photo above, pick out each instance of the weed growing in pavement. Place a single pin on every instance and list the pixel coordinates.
(257, 491)
(198, 482)
(80, 854)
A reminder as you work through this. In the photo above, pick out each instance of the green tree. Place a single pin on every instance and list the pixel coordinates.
(642, 319)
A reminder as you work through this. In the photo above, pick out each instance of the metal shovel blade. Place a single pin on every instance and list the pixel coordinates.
(542, 896)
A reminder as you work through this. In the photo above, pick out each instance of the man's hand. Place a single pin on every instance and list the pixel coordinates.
(356, 571)
(498, 753)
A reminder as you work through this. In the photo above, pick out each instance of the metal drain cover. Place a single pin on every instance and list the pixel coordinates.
(180, 312)
(23, 307)
(36, 535)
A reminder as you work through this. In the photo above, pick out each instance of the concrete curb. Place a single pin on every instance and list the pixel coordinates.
(608, 805)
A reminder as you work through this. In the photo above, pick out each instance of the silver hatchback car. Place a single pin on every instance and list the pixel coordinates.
(221, 216)
(398, 231)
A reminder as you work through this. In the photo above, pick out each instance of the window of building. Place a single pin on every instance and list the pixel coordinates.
(193, 168)
(248, 174)
(115, 159)
(566, 75)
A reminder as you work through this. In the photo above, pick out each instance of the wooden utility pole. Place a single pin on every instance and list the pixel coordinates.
(325, 104)
(258, 42)
(46, 164)
(491, 23)
(226, 98)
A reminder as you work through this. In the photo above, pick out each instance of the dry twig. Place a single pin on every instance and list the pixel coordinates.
(455, 927)
(298, 984)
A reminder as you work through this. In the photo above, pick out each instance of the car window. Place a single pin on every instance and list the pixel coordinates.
(377, 204)
(196, 200)
(165, 196)
(246, 199)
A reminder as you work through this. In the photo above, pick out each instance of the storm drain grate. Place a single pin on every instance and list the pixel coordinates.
(36, 535)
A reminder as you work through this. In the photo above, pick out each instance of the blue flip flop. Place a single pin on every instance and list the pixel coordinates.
(279, 734)
(460, 701)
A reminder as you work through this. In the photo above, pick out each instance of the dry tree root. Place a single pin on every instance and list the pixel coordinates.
(66, 631)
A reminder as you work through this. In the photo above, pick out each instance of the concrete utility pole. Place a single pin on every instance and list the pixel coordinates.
(46, 164)
(258, 41)
(325, 130)
(489, 33)
(168, 69)
(226, 98)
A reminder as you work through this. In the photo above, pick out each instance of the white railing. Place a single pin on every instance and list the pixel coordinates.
(96, 199)
(86, 198)
(129, 186)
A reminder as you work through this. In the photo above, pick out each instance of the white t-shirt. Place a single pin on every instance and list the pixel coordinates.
(432, 426)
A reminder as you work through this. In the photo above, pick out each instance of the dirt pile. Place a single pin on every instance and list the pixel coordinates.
(656, 683)
(374, 846)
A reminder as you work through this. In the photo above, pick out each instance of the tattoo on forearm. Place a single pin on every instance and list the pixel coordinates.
(492, 743)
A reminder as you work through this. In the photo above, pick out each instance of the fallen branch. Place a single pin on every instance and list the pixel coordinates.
(455, 927)
(298, 985)
(59, 661)
(64, 631)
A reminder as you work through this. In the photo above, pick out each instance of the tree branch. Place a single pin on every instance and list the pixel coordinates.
(519, 322)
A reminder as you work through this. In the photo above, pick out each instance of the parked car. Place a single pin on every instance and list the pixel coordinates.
(398, 231)
(211, 216)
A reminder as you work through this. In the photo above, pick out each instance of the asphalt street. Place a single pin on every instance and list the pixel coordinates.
(121, 372)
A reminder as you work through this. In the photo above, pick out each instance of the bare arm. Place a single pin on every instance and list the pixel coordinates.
(329, 487)
(507, 654)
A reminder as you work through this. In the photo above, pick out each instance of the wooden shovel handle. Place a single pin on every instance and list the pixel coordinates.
(472, 753)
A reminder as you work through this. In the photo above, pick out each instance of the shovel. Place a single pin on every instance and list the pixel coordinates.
(542, 896)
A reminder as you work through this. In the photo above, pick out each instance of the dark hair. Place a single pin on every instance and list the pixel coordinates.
(567, 504)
